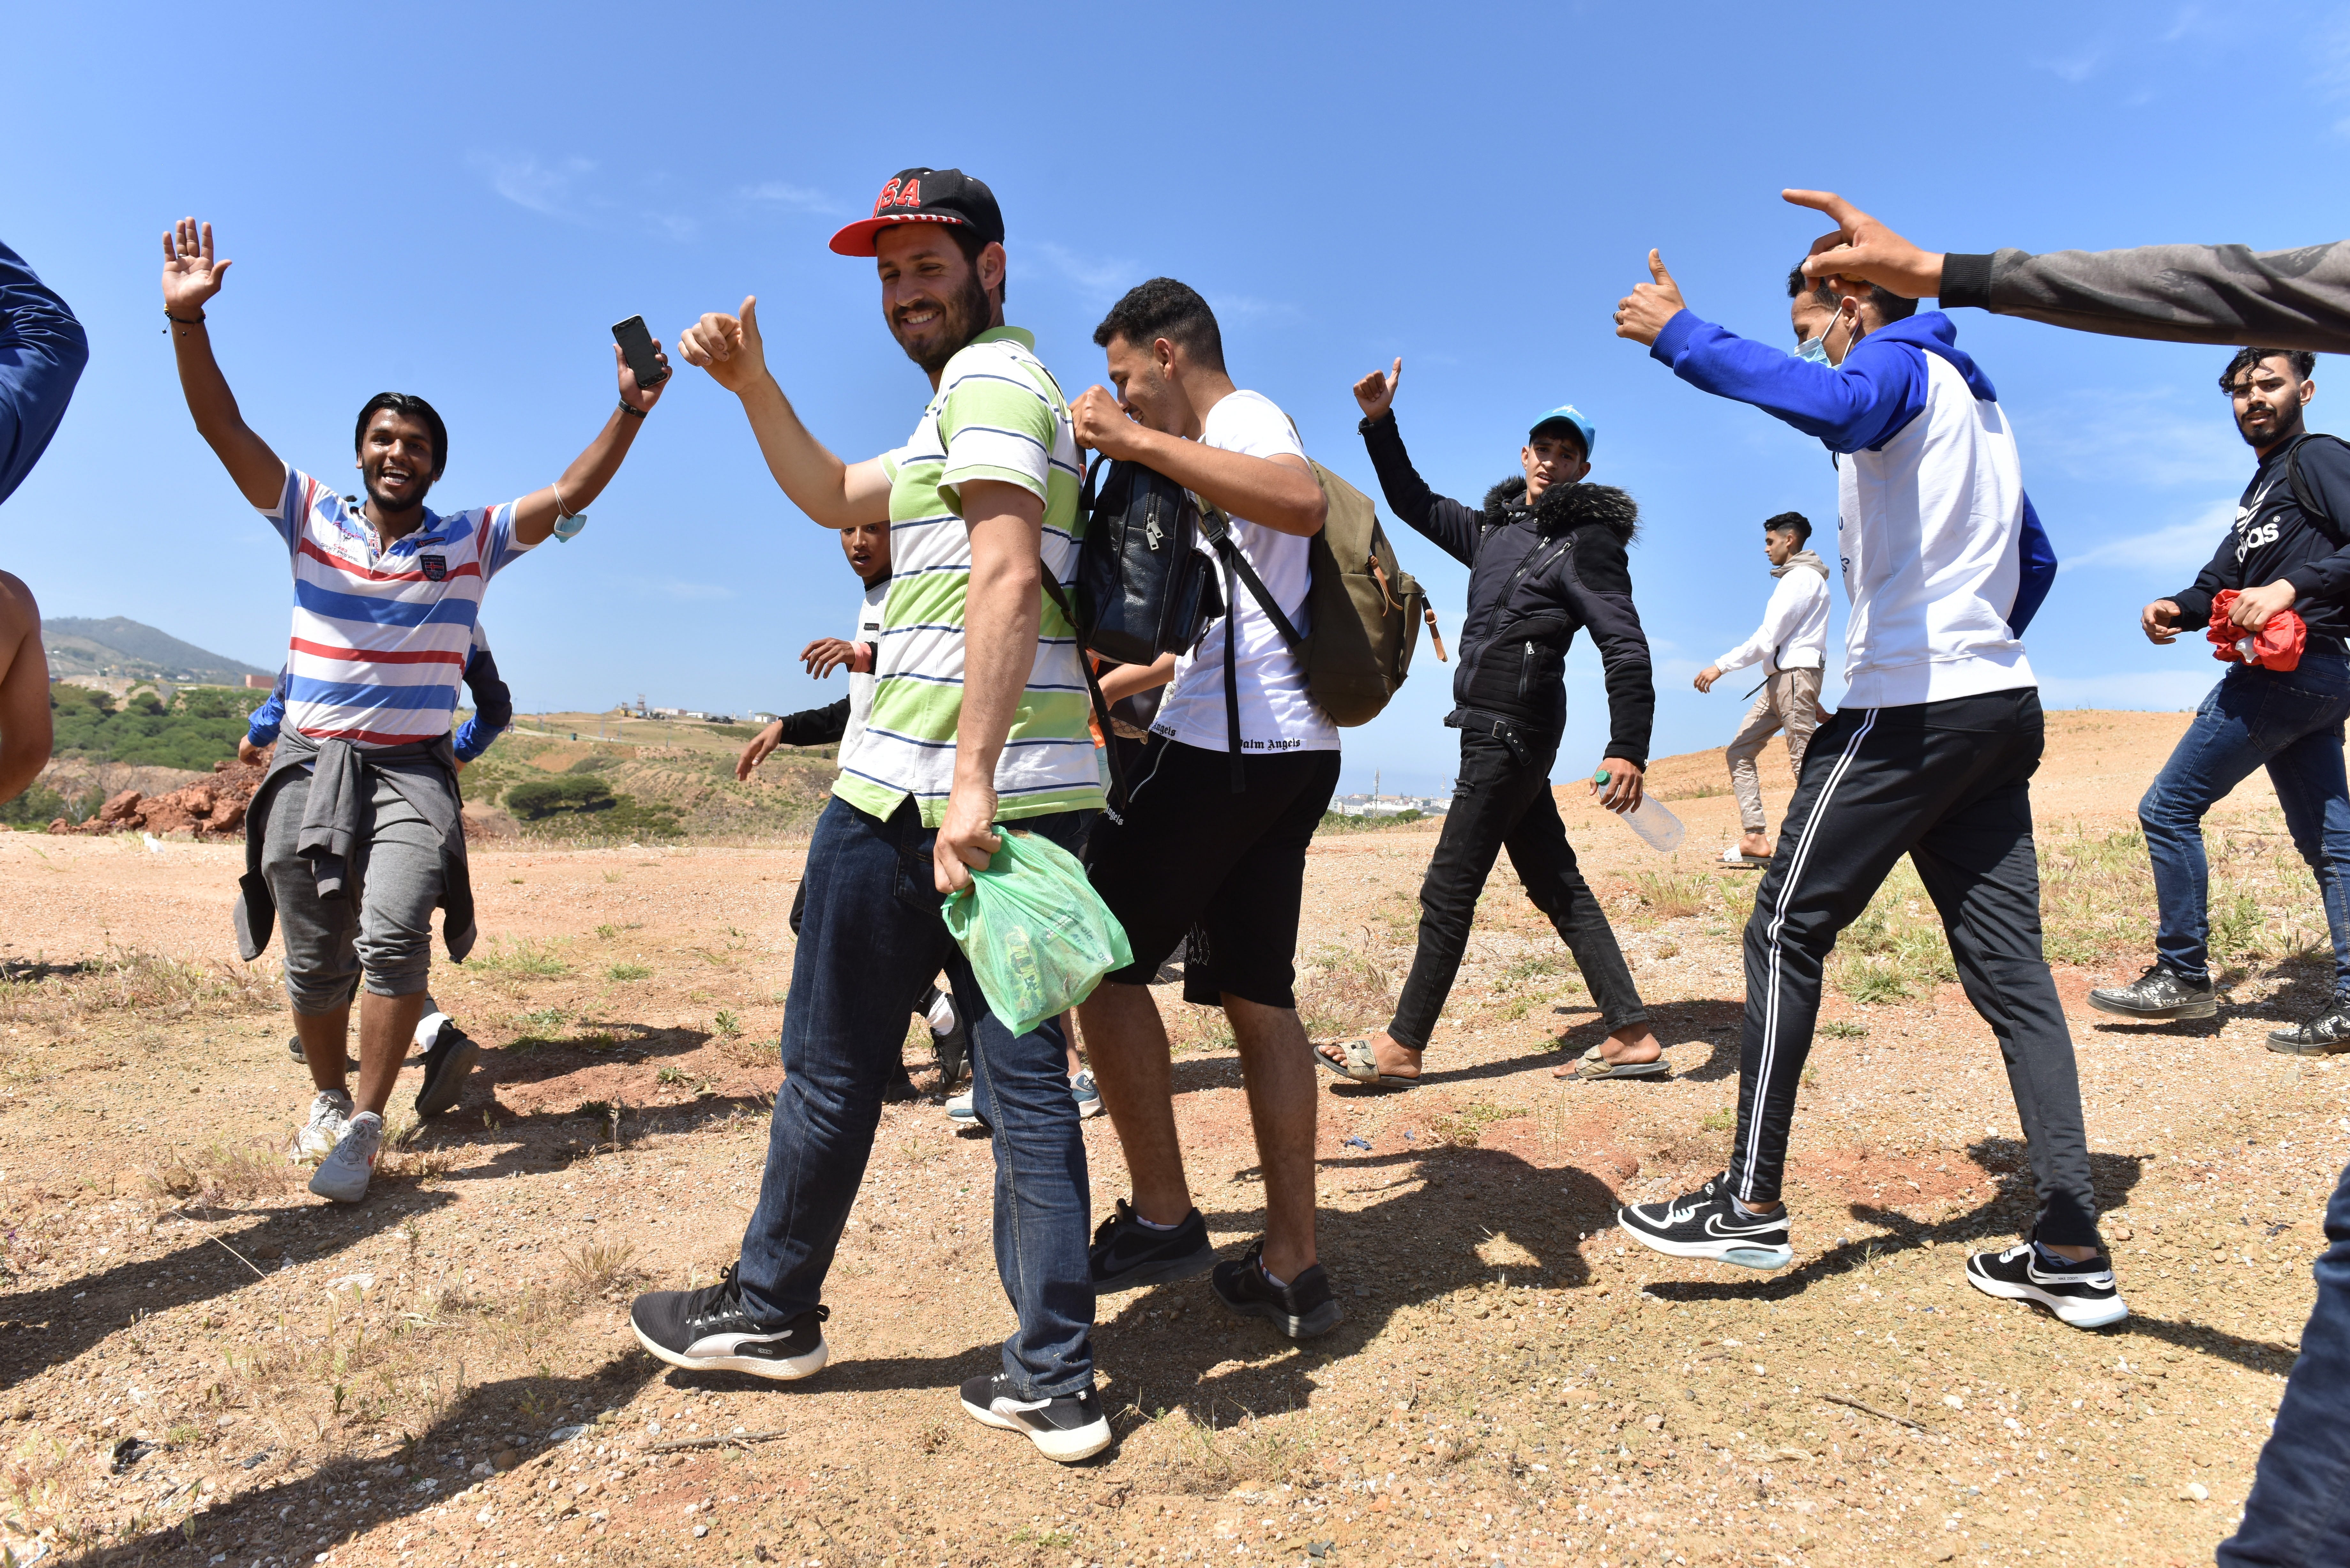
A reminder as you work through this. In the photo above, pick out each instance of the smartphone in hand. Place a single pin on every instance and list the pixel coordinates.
(637, 348)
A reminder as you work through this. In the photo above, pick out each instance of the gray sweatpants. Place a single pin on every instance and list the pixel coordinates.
(384, 928)
(1789, 700)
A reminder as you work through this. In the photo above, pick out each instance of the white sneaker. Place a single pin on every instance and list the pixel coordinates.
(343, 1175)
(329, 1113)
(961, 1111)
(1089, 1097)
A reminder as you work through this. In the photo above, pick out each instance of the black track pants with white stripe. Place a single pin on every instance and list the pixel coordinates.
(1948, 784)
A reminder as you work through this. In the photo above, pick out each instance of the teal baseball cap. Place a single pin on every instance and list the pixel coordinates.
(1566, 414)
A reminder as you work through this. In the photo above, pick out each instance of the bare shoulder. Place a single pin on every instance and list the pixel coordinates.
(18, 613)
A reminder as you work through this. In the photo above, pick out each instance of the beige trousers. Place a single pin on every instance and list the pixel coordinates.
(1788, 700)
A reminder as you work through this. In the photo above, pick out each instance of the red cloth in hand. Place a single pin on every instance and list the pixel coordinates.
(2276, 646)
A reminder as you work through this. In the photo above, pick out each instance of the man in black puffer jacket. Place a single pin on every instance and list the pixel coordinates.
(1547, 559)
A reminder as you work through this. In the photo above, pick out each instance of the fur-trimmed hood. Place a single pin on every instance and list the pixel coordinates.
(1564, 506)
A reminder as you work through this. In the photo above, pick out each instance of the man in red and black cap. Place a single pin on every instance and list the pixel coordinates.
(979, 717)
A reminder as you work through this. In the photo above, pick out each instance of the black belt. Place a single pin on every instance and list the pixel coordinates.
(1521, 738)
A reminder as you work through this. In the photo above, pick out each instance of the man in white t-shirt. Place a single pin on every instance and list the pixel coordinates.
(1211, 851)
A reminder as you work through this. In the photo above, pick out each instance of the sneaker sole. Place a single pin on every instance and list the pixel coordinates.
(1763, 1258)
(1066, 1448)
(785, 1369)
(333, 1197)
(1167, 1271)
(440, 1090)
(2285, 1046)
(2206, 1008)
(2094, 1315)
(1088, 1108)
(1320, 1321)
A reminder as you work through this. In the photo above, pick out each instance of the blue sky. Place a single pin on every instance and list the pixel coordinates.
(459, 200)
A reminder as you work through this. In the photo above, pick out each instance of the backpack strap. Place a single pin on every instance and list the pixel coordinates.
(1217, 530)
(1093, 687)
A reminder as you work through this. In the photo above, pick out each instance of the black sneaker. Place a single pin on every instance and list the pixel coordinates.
(1068, 1428)
(899, 1090)
(2082, 1294)
(1300, 1309)
(2325, 1032)
(2160, 993)
(952, 1048)
(1707, 1224)
(708, 1331)
(1127, 1253)
(450, 1055)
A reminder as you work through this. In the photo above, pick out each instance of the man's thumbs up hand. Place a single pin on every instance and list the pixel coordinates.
(1642, 314)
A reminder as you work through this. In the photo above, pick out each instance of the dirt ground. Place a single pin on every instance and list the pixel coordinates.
(200, 1364)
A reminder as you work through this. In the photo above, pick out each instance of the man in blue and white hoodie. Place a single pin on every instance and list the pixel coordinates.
(1930, 755)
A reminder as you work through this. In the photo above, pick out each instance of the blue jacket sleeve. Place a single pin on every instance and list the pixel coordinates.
(42, 352)
(268, 719)
(1878, 388)
(492, 707)
(2038, 570)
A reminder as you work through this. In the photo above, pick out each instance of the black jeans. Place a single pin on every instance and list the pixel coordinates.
(1948, 785)
(1501, 802)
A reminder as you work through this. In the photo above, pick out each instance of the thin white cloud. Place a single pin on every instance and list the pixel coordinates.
(2179, 550)
(1099, 275)
(797, 198)
(2154, 690)
(524, 179)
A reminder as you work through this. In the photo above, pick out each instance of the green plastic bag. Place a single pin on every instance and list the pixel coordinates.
(1038, 937)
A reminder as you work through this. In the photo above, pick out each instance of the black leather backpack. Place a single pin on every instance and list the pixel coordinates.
(1143, 588)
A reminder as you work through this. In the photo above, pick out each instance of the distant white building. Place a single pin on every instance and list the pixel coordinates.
(1390, 804)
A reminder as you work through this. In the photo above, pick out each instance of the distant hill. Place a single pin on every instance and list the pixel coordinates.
(118, 645)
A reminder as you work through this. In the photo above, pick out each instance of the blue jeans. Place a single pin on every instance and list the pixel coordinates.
(2291, 724)
(2299, 1513)
(871, 937)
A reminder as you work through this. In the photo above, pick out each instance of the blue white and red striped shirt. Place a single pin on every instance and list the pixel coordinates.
(382, 632)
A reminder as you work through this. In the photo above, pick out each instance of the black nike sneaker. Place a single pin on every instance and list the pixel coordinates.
(708, 1331)
(2325, 1032)
(1068, 1428)
(2159, 994)
(1300, 1309)
(2083, 1295)
(952, 1049)
(1127, 1254)
(450, 1055)
(1707, 1224)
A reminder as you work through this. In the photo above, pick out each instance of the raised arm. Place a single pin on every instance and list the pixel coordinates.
(2180, 294)
(1444, 521)
(191, 278)
(42, 352)
(838, 494)
(535, 514)
(25, 732)
(1279, 492)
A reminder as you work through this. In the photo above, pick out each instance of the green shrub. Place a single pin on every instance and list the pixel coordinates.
(536, 798)
(36, 807)
(200, 727)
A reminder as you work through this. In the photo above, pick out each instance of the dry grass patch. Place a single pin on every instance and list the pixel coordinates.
(127, 981)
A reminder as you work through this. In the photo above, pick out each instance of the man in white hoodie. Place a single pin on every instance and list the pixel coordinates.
(1930, 755)
(1788, 644)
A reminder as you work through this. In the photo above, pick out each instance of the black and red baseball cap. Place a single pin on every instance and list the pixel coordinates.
(926, 196)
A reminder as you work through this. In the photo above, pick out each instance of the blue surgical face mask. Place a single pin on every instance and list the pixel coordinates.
(1815, 349)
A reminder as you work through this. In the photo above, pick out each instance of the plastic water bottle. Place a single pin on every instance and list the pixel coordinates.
(1649, 819)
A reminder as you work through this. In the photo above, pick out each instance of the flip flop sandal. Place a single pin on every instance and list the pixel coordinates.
(1360, 1066)
(1735, 857)
(1595, 1066)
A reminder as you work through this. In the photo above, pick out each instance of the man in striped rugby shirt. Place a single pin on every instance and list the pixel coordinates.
(354, 837)
(978, 718)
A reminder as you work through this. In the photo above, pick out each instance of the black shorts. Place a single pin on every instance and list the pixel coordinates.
(1227, 871)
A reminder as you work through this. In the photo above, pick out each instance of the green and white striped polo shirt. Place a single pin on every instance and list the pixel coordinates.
(997, 415)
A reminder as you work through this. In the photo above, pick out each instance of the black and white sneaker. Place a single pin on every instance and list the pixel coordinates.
(708, 1331)
(1068, 1428)
(2325, 1032)
(2083, 1295)
(2159, 994)
(1127, 1254)
(1300, 1309)
(1707, 1224)
(952, 1048)
(450, 1056)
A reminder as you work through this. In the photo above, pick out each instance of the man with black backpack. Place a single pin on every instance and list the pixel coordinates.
(1546, 557)
(2284, 559)
(1225, 796)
